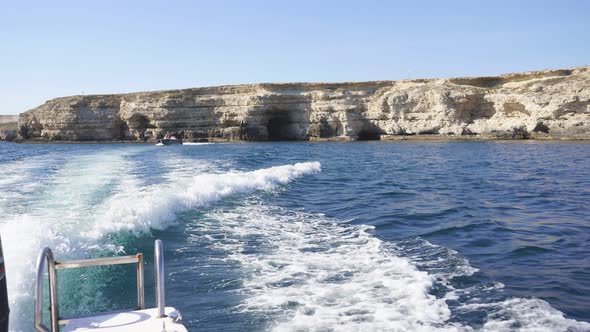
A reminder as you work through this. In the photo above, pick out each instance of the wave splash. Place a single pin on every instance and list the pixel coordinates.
(140, 209)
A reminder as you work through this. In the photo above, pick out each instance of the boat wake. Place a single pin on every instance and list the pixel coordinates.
(313, 273)
(302, 271)
(92, 196)
(188, 143)
(140, 209)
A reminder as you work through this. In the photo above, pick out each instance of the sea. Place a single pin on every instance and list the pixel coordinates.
(300, 236)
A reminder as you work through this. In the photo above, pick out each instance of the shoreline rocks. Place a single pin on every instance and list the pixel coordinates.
(550, 104)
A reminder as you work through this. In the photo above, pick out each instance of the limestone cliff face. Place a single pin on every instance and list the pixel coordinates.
(552, 103)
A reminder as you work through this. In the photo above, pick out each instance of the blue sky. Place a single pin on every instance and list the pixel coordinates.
(56, 48)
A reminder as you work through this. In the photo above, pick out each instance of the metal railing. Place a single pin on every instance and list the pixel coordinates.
(160, 291)
(46, 255)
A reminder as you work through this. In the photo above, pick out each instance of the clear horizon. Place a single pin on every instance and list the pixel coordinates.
(50, 50)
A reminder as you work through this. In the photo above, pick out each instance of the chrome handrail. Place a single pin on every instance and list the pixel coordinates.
(47, 255)
(160, 291)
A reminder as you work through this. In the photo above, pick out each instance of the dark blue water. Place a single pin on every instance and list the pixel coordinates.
(386, 236)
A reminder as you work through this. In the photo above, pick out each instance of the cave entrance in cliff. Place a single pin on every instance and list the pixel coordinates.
(369, 136)
(280, 129)
(138, 122)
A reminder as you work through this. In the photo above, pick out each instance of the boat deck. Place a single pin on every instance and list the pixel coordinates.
(129, 321)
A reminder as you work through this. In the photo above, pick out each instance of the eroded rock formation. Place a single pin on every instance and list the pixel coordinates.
(544, 104)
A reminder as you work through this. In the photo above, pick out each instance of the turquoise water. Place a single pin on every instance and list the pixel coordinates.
(368, 236)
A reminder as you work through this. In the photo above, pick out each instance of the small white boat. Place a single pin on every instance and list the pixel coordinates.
(171, 140)
(140, 319)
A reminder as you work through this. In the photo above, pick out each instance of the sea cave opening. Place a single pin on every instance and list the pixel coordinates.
(280, 129)
(369, 136)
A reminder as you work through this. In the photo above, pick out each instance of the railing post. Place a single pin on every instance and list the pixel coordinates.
(53, 294)
(46, 254)
(140, 283)
(160, 292)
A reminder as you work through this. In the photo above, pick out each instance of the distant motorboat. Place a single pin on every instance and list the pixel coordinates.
(171, 140)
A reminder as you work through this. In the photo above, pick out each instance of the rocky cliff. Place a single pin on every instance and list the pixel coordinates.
(543, 104)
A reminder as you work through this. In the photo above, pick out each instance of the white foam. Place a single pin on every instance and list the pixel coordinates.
(17, 180)
(310, 273)
(56, 210)
(527, 315)
(522, 314)
(313, 274)
(139, 209)
(202, 143)
(188, 143)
